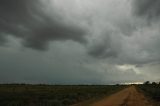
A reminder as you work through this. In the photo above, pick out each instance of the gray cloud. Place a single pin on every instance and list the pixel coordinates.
(129, 39)
(100, 41)
(28, 20)
(147, 8)
(102, 51)
(102, 47)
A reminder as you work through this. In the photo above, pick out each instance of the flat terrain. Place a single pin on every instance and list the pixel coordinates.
(52, 95)
(127, 97)
(79, 95)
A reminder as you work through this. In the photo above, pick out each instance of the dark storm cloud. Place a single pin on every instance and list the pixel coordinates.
(148, 11)
(147, 8)
(26, 19)
(103, 49)
(90, 41)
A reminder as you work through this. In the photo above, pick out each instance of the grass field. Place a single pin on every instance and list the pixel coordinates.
(51, 95)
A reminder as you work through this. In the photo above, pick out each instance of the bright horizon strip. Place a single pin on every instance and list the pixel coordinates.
(129, 83)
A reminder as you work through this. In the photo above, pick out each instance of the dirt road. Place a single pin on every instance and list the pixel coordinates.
(127, 97)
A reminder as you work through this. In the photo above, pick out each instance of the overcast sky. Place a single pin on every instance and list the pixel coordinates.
(79, 41)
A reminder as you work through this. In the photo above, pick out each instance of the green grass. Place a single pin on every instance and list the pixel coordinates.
(51, 95)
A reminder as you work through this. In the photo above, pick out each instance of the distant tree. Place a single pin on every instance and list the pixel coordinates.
(146, 83)
(154, 83)
(117, 84)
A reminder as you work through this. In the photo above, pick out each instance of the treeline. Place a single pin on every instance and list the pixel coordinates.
(153, 83)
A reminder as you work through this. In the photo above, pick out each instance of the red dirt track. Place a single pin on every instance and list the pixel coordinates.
(127, 97)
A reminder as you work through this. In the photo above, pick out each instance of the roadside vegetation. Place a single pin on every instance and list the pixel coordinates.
(152, 90)
(51, 95)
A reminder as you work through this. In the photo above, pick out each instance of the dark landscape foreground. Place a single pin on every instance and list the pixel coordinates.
(79, 95)
(51, 95)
